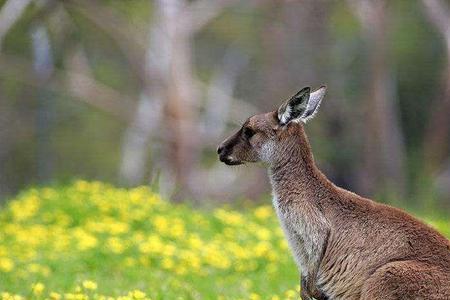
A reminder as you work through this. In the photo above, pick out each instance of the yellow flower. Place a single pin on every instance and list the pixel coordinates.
(229, 217)
(89, 285)
(82, 185)
(254, 296)
(115, 245)
(85, 240)
(38, 288)
(263, 234)
(6, 264)
(167, 263)
(263, 212)
(55, 296)
(6, 296)
(290, 294)
(195, 242)
(26, 208)
(137, 294)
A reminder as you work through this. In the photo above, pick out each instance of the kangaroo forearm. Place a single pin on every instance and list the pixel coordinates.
(312, 233)
(309, 276)
(310, 291)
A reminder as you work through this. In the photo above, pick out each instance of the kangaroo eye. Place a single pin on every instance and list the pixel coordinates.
(248, 132)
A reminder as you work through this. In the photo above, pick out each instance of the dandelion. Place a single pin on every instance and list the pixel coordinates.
(137, 294)
(85, 240)
(6, 264)
(167, 263)
(254, 296)
(89, 285)
(25, 209)
(37, 288)
(116, 245)
(290, 293)
(5, 295)
(55, 296)
(229, 217)
(263, 212)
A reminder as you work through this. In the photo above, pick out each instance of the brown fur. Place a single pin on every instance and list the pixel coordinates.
(347, 246)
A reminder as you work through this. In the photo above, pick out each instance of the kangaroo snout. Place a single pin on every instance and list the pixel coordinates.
(225, 152)
(223, 155)
(222, 152)
(220, 149)
(227, 158)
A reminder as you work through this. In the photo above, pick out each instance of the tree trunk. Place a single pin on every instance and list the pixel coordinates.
(180, 112)
(43, 67)
(436, 141)
(135, 150)
(169, 84)
(172, 85)
(383, 165)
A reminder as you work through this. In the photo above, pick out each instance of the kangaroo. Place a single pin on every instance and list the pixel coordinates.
(345, 246)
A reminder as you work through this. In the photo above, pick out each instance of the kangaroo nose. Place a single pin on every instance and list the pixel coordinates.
(220, 149)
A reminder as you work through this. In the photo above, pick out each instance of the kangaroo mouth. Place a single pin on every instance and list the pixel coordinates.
(230, 161)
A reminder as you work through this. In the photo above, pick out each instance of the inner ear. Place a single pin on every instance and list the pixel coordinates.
(294, 107)
(313, 103)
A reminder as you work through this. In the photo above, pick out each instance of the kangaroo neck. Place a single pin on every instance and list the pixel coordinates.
(293, 173)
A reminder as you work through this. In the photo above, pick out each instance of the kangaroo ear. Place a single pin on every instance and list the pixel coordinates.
(295, 107)
(313, 104)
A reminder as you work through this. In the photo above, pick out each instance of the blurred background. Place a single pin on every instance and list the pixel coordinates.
(141, 92)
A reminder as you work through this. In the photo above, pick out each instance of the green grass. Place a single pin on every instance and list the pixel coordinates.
(89, 239)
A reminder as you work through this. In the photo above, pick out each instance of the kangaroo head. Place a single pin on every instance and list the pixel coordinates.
(265, 136)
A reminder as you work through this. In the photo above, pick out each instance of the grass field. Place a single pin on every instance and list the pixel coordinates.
(90, 240)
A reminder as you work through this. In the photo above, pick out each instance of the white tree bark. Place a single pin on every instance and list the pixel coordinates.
(43, 67)
(135, 149)
(148, 112)
(170, 95)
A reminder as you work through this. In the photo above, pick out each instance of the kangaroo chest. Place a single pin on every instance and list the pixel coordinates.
(300, 229)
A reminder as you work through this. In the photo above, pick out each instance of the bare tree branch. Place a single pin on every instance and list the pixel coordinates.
(9, 14)
(118, 29)
(82, 85)
(439, 15)
(95, 94)
(201, 12)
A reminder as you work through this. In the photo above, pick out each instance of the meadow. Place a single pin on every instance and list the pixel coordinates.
(90, 240)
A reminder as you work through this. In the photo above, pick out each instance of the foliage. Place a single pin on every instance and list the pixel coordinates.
(89, 239)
